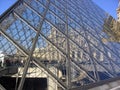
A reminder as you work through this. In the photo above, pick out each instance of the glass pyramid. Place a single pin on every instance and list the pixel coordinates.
(61, 40)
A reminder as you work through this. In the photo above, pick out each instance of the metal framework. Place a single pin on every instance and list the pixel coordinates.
(63, 38)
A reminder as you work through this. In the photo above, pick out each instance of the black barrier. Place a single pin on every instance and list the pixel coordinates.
(30, 83)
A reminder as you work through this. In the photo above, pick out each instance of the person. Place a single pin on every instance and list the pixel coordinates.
(0, 63)
(2, 59)
(7, 63)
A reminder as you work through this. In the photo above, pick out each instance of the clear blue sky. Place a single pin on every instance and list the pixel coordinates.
(108, 5)
(5, 4)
